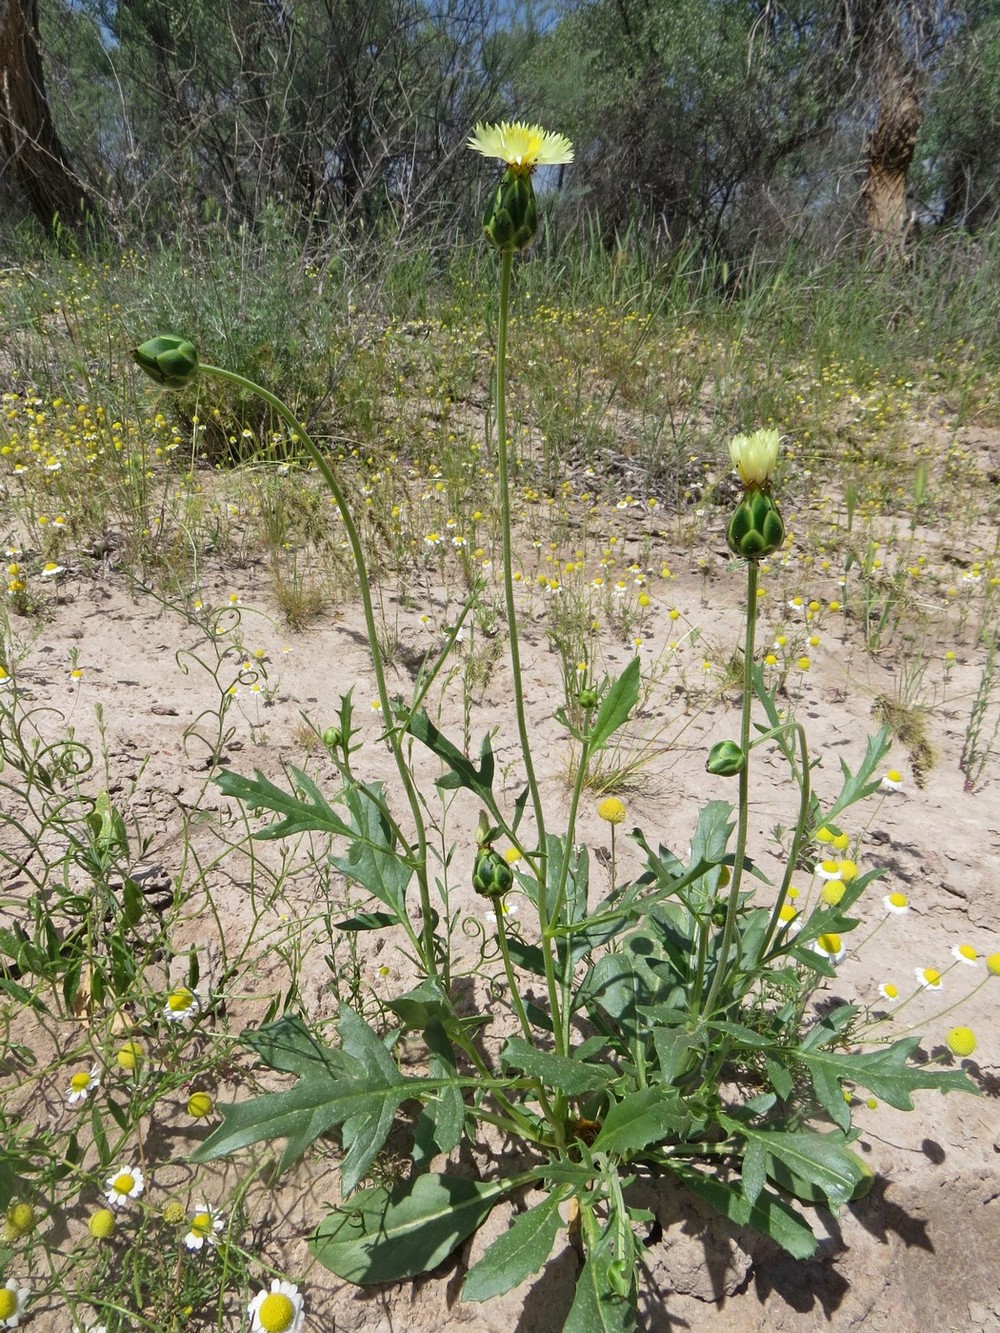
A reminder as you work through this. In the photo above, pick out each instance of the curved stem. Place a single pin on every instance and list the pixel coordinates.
(428, 941)
(729, 929)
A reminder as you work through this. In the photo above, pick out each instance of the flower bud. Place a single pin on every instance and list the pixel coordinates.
(19, 1221)
(511, 217)
(588, 698)
(200, 1104)
(756, 528)
(102, 1223)
(332, 738)
(726, 759)
(167, 359)
(492, 876)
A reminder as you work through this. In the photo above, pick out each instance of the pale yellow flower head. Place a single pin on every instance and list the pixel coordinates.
(754, 456)
(523, 147)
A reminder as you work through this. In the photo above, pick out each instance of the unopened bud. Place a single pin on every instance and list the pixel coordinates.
(167, 359)
(492, 876)
(511, 217)
(726, 759)
(756, 528)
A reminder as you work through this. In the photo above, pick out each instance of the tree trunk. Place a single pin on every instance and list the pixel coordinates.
(34, 157)
(889, 152)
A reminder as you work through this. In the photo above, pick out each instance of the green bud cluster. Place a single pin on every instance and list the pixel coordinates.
(167, 359)
(511, 217)
(726, 760)
(756, 528)
(491, 875)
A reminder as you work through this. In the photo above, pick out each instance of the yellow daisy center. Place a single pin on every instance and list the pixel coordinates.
(8, 1303)
(276, 1313)
(967, 951)
(829, 943)
(180, 999)
(201, 1224)
(898, 899)
(80, 1082)
(833, 892)
(787, 912)
(890, 991)
(123, 1184)
(932, 976)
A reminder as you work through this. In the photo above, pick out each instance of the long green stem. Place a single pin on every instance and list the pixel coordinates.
(392, 734)
(513, 642)
(729, 929)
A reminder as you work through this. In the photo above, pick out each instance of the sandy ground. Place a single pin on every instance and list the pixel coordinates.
(921, 1251)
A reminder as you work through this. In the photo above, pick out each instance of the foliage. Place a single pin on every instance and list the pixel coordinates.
(703, 1061)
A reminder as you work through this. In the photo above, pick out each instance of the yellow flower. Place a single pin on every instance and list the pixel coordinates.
(961, 1041)
(612, 810)
(522, 147)
(993, 964)
(755, 456)
(129, 1056)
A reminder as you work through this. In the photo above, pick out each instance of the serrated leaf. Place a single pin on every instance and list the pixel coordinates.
(597, 1307)
(357, 1087)
(372, 859)
(885, 1072)
(309, 812)
(514, 1256)
(443, 1118)
(557, 1071)
(641, 1118)
(781, 1080)
(615, 707)
(820, 1160)
(769, 1215)
(463, 773)
(383, 1236)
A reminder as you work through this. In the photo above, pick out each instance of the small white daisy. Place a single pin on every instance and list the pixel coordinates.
(280, 1310)
(896, 903)
(966, 954)
(182, 1004)
(13, 1298)
(506, 909)
(829, 870)
(82, 1084)
(126, 1183)
(928, 977)
(831, 947)
(893, 780)
(889, 992)
(204, 1228)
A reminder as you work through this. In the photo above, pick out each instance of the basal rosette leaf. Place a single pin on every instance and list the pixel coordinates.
(388, 1235)
(517, 1254)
